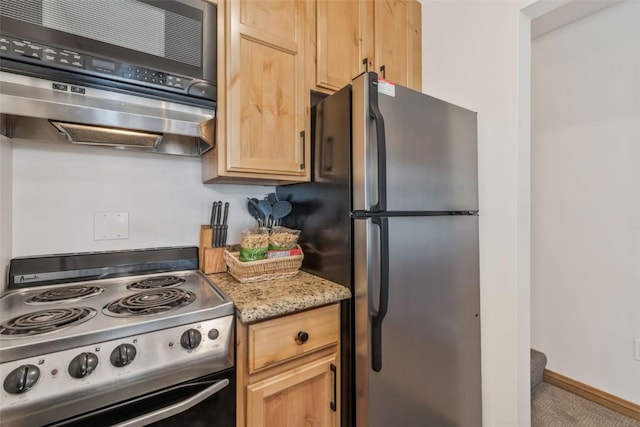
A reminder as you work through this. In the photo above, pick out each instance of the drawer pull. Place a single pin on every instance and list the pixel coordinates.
(302, 337)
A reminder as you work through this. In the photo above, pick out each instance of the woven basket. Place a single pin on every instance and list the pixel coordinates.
(266, 269)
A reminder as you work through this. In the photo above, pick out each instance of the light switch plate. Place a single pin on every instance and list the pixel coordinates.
(110, 225)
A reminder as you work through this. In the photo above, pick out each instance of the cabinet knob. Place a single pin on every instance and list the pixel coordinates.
(302, 337)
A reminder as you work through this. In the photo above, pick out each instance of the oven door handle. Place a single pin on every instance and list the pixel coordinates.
(176, 408)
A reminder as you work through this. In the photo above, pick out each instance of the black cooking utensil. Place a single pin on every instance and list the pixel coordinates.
(265, 211)
(254, 210)
(280, 210)
(272, 198)
(225, 227)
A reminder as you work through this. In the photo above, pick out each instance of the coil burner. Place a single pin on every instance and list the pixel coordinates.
(150, 302)
(65, 294)
(155, 283)
(41, 322)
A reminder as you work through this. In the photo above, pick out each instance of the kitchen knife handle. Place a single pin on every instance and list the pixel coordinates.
(217, 227)
(376, 115)
(214, 210)
(219, 212)
(377, 316)
(223, 228)
(225, 216)
(214, 213)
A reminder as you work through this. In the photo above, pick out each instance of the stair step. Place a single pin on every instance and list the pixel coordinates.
(538, 363)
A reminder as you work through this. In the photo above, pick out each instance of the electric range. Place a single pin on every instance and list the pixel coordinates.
(81, 333)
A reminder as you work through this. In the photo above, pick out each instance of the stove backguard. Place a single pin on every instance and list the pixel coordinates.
(26, 272)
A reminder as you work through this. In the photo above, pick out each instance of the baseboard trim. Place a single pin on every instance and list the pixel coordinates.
(603, 398)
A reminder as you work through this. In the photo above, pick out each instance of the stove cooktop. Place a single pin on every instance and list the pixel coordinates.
(46, 319)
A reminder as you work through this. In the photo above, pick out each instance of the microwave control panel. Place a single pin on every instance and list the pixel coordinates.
(65, 59)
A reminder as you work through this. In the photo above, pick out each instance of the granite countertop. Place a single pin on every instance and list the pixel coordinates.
(262, 300)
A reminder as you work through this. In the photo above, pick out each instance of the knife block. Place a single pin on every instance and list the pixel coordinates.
(211, 259)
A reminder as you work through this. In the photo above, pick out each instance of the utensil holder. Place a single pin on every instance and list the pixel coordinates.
(211, 259)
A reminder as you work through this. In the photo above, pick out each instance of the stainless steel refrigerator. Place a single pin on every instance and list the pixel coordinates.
(392, 213)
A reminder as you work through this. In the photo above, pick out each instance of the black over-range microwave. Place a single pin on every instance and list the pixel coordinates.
(160, 48)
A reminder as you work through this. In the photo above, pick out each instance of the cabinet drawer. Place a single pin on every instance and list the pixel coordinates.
(277, 340)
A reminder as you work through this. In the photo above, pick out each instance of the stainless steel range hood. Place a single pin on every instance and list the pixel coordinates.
(34, 108)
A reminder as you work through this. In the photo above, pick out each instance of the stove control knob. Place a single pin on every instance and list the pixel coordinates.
(82, 365)
(21, 379)
(190, 339)
(123, 355)
(213, 334)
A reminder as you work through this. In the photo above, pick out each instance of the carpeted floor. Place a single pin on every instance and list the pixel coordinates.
(553, 407)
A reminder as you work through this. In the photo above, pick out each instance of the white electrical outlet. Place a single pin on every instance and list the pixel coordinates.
(636, 348)
(110, 225)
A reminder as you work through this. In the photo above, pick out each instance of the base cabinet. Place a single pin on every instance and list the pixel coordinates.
(302, 396)
(288, 370)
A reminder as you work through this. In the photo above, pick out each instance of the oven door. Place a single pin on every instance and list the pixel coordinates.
(208, 401)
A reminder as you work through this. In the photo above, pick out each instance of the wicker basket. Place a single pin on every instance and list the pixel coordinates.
(266, 269)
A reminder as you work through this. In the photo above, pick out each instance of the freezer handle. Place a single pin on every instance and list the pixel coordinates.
(376, 115)
(378, 315)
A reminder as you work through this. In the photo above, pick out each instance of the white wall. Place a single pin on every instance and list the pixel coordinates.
(585, 290)
(471, 56)
(58, 187)
(6, 181)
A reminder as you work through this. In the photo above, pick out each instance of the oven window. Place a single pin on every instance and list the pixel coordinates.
(215, 411)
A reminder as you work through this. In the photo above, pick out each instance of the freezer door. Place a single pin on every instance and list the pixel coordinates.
(425, 371)
(429, 156)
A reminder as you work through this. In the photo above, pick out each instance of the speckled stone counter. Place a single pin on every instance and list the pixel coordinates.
(262, 300)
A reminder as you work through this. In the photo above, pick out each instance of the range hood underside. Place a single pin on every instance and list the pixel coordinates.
(30, 107)
(31, 128)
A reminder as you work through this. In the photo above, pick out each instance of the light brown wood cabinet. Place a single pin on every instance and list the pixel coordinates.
(334, 43)
(397, 41)
(346, 38)
(288, 370)
(271, 53)
(263, 104)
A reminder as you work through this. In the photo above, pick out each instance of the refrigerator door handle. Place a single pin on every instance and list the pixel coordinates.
(378, 315)
(328, 155)
(376, 115)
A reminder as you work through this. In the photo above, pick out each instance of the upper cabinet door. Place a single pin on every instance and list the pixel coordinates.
(338, 36)
(397, 41)
(266, 95)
